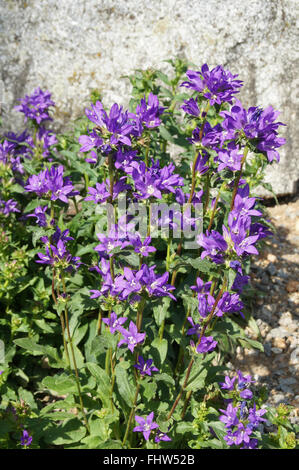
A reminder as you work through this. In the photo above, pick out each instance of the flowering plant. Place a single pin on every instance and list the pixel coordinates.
(128, 263)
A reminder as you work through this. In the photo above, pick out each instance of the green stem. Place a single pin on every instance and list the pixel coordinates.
(209, 318)
(86, 181)
(140, 309)
(131, 413)
(215, 207)
(70, 340)
(169, 241)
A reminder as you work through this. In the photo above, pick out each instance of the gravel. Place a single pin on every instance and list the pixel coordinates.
(275, 275)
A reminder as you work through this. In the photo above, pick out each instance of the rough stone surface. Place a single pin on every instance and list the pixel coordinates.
(72, 47)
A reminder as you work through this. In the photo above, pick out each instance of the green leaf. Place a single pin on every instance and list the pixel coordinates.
(161, 310)
(184, 427)
(111, 445)
(197, 378)
(163, 77)
(60, 384)
(101, 343)
(68, 433)
(125, 388)
(92, 442)
(39, 350)
(161, 346)
(164, 378)
(245, 342)
(103, 382)
(149, 389)
(166, 134)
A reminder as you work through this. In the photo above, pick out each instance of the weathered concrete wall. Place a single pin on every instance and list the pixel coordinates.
(73, 46)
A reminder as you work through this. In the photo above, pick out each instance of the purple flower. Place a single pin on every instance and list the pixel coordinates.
(161, 436)
(229, 417)
(108, 244)
(196, 328)
(211, 137)
(213, 244)
(45, 139)
(131, 337)
(26, 439)
(191, 107)
(148, 113)
(229, 159)
(36, 106)
(255, 416)
(229, 303)
(114, 129)
(59, 257)
(201, 287)
(124, 158)
(228, 383)
(145, 367)
(146, 425)
(206, 345)
(256, 125)
(141, 247)
(7, 207)
(156, 285)
(98, 194)
(51, 182)
(40, 214)
(201, 161)
(113, 322)
(240, 436)
(90, 141)
(217, 85)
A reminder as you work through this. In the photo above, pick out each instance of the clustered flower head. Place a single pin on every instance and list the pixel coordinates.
(26, 439)
(216, 85)
(36, 106)
(241, 418)
(57, 254)
(7, 207)
(52, 184)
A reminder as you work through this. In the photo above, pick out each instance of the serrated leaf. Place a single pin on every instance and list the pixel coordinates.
(197, 378)
(39, 350)
(61, 384)
(68, 433)
(102, 380)
(125, 388)
(111, 445)
(164, 378)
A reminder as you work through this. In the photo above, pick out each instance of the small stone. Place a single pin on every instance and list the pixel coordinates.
(271, 269)
(285, 319)
(294, 357)
(280, 332)
(287, 381)
(292, 286)
(279, 398)
(271, 258)
(279, 343)
(282, 274)
(267, 349)
(276, 350)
